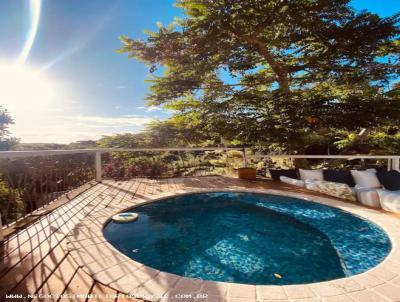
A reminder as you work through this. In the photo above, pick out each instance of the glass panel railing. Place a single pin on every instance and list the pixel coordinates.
(31, 183)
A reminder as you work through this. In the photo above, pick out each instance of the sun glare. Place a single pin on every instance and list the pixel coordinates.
(21, 87)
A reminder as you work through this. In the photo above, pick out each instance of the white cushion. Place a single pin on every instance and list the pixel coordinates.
(311, 174)
(368, 196)
(292, 181)
(366, 179)
(390, 200)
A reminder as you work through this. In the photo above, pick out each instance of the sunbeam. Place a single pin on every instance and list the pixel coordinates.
(35, 9)
(83, 37)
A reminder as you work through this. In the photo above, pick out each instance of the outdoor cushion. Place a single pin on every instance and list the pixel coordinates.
(292, 181)
(390, 200)
(367, 196)
(332, 188)
(389, 179)
(311, 174)
(366, 179)
(276, 174)
(340, 176)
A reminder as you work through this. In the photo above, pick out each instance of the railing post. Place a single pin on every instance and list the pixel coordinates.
(396, 164)
(97, 164)
(1, 230)
(244, 158)
(389, 164)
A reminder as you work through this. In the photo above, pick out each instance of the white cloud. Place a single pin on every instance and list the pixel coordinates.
(121, 87)
(155, 108)
(124, 120)
(65, 129)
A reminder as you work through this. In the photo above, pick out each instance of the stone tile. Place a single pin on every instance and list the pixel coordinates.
(396, 280)
(271, 292)
(341, 298)
(242, 291)
(115, 272)
(126, 283)
(209, 298)
(367, 280)
(349, 285)
(149, 293)
(299, 292)
(367, 296)
(301, 300)
(189, 284)
(156, 287)
(145, 273)
(167, 279)
(99, 265)
(327, 289)
(102, 293)
(393, 265)
(182, 295)
(383, 273)
(389, 291)
(240, 300)
(217, 289)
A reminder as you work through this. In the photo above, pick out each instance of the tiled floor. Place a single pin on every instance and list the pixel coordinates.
(38, 260)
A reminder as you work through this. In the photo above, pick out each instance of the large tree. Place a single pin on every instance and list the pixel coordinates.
(274, 71)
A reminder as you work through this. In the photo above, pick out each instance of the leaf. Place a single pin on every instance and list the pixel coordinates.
(278, 276)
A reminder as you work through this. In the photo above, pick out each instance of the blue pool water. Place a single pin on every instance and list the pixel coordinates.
(250, 238)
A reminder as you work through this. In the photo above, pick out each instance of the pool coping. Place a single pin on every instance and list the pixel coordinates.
(105, 264)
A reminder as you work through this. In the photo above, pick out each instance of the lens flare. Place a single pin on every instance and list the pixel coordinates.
(23, 89)
(83, 37)
(35, 9)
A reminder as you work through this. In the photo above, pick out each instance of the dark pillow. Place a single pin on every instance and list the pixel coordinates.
(340, 176)
(276, 174)
(389, 179)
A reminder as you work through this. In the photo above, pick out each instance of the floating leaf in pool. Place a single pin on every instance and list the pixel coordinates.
(277, 276)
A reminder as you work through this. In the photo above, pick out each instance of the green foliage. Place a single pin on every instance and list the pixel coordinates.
(160, 134)
(127, 165)
(27, 184)
(273, 72)
(6, 141)
(89, 144)
(377, 142)
(11, 205)
(125, 140)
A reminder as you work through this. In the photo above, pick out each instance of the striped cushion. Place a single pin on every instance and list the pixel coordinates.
(332, 188)
(368, 197)
(390, 200)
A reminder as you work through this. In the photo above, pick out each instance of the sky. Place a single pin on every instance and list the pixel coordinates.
(61, 78)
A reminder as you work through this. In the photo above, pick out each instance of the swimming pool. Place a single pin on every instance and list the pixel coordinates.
(250, 238)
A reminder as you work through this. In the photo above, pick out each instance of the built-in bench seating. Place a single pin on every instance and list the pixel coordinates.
(371, 187)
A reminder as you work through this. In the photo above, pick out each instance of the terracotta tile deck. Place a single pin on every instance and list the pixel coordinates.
(47, 258)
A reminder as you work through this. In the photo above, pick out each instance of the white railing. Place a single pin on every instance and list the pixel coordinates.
(97, 153)
(393, 161)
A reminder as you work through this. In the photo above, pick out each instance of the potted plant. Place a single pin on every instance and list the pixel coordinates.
(248, 173)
